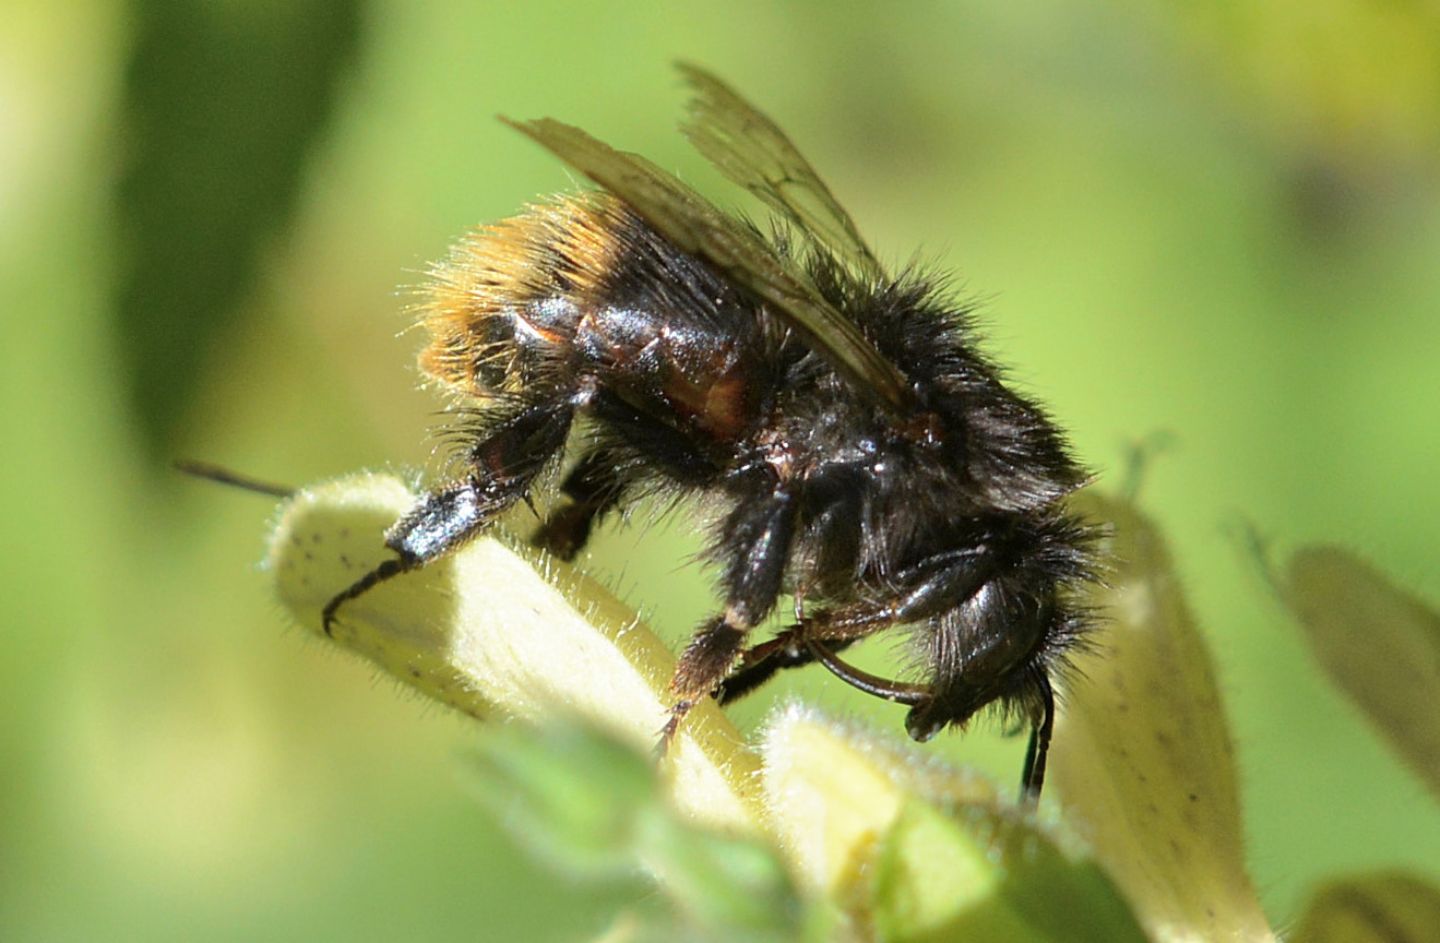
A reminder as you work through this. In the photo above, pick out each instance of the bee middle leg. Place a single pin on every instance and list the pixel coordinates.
(604, 477)
(594, 487)
(786, 650)
(758, 534)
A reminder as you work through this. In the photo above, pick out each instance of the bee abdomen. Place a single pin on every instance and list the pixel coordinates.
(581, 287)
(503, 309)
(699, 382)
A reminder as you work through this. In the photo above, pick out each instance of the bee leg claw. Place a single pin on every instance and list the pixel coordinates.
(672, 726)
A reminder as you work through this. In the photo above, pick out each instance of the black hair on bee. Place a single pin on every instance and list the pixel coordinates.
(867, 457)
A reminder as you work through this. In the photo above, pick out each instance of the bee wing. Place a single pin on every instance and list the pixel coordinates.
(753, 152)
(694, 225)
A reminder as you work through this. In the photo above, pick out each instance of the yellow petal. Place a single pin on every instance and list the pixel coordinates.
(834, 791)
(1142, 758)
(495, 628)
(911, 849)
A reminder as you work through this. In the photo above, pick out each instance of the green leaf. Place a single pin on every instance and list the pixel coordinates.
(722, 882)
(1142, 759)
(568, 794)
(989, 874)
(1379, 644)
(593, 806)
(222, 105)
(1388, 907)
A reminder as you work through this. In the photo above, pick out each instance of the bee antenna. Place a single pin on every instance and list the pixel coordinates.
(224, 476)
(1141, 453)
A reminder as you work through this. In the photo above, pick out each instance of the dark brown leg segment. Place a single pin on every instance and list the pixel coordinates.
(789, 649)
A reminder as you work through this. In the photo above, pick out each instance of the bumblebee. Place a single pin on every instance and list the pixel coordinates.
(863, 454)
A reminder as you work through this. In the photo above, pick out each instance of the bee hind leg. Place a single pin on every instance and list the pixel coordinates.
(504, 462)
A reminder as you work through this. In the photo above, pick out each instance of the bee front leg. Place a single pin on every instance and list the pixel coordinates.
(759, 536)
(504, 464)
(438, 522)
(1032, 780)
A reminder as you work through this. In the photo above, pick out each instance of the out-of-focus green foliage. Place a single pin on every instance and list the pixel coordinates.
(593, 804)
(220, 107)
(1380, 645)
(1386, 907)
(1173, 223)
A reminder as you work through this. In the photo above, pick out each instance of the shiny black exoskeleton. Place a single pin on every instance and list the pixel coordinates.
(865, 457)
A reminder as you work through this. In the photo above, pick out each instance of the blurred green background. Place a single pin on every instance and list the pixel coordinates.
(1222, 223)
